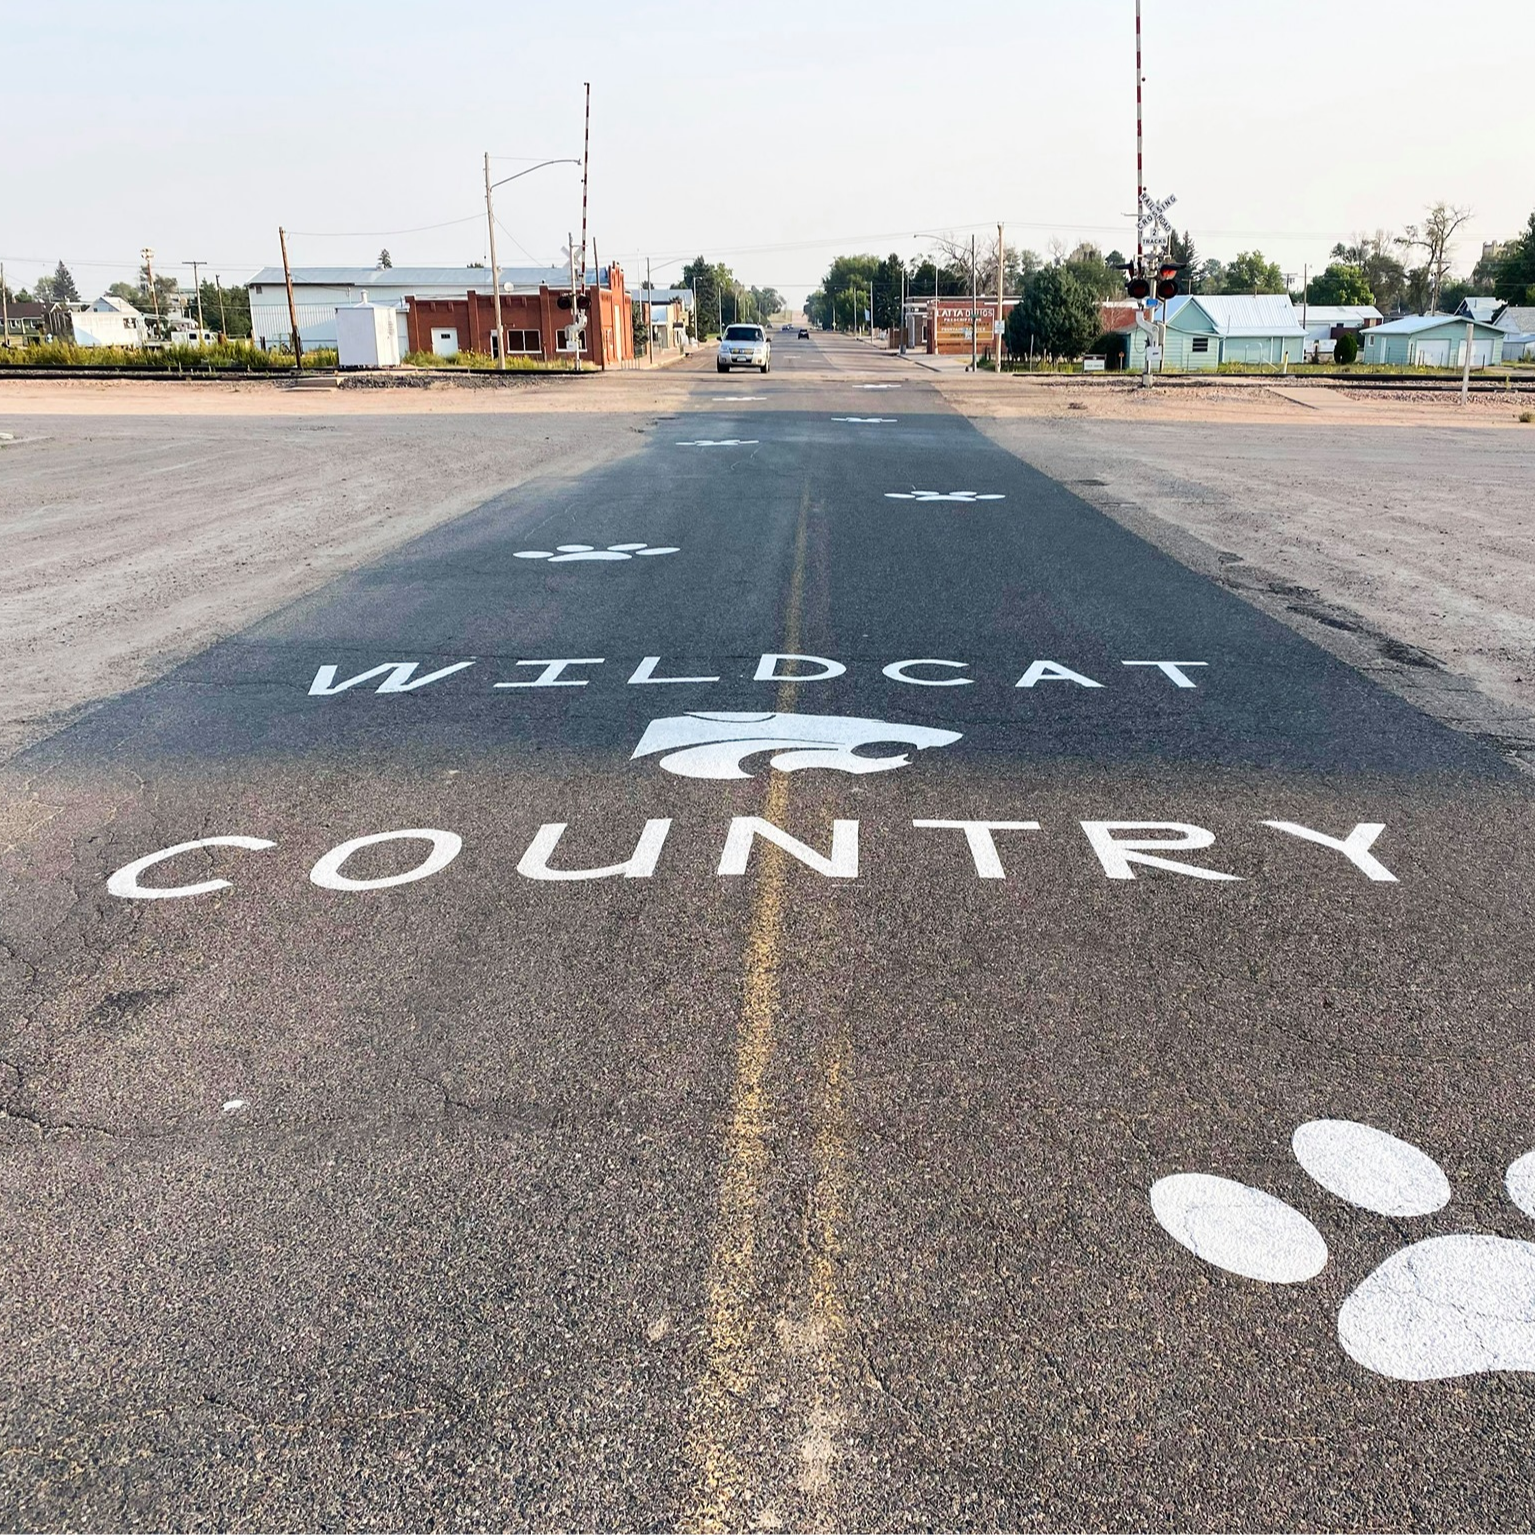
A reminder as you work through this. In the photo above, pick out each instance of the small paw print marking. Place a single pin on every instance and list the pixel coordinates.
(879, 386)
(944, 495)
(866, 420)
(563, 553)
(720, 442)
(1442, 1307)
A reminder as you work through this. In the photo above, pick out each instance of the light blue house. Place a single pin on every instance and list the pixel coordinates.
(1432, 341)
(1203, 331)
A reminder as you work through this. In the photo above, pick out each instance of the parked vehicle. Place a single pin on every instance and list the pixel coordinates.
(804, 335)
(744, 346)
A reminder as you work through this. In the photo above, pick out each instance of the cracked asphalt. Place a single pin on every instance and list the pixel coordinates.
(809, 1196)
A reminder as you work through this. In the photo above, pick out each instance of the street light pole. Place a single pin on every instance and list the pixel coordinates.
(495, 270)
(996, 335)
(974, 301)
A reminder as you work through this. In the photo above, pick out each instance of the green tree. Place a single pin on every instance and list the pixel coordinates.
(1433, 238)
(951, 280)
(384, 259)
(1250, 273)
(846, 276)
(1515, 278)
(888, 279)
(227, 309)
(1093, 272)
(1180, 248)
(1056, 316)
(1339, 284)
(64, 289)
(714, 286)
(1384, 275)
(766, 302)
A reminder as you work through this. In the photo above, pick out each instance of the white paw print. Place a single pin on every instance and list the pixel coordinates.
(720, 442)
(1441, 1307)
(879, 386)
(944, 495)
(867, 420)
(562, 553)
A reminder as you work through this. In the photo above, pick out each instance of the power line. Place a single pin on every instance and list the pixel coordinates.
(374, 234)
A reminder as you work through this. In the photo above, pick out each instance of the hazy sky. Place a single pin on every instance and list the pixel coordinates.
(768, 136)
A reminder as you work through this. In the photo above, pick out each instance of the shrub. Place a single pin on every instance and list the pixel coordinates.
(1346, 349)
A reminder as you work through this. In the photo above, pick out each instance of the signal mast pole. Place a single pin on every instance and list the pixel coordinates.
(1140, 159)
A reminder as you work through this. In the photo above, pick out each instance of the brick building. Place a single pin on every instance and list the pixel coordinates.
(534, 321)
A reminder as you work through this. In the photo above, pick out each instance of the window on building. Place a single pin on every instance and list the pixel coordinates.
(1201, 344)
(523, 342)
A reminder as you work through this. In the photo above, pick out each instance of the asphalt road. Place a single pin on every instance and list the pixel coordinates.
(745, 1185)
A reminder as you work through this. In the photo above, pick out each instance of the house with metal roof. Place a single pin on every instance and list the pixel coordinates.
(319, 291)
(1432, 341)
(1205, 330)
(1479, 307)
(1517, 322)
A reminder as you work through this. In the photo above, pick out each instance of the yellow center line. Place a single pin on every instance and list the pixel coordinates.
(729, 1483)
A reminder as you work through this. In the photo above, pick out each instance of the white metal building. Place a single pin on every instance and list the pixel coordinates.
(367, 336)
(108, 322)
(319, 291)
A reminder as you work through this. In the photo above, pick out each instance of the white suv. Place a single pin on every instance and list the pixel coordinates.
(744, 346)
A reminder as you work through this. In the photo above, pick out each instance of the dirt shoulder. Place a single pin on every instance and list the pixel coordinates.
(144, 521)
(1245, 401)
(1396, 536)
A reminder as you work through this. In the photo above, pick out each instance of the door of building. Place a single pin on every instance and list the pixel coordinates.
(445, 342)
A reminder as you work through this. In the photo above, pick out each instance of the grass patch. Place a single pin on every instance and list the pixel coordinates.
(483, 362)
(227, 357)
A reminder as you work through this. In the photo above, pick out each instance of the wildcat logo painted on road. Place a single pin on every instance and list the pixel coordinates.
(714, 745)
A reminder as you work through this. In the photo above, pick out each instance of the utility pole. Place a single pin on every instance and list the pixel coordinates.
(287, 277)
(495, 270)
(199, 290)
(1140, 162)
(1465, 372)
(5, 310)
(903, 310)
(575, 309)
(218, 287)
(650, 319)
(974, 299)
(147, 256)
(586, 157)
(996, 329)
